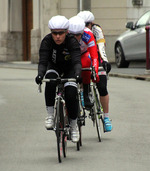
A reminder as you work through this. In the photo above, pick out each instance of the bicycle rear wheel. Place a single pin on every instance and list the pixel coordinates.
(79, 143)
(64, 144)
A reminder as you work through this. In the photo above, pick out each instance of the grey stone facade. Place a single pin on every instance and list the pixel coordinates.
(10, 46)
(111, 16)
(35, 45)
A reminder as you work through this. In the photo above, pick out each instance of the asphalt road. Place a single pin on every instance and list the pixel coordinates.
(25, 144)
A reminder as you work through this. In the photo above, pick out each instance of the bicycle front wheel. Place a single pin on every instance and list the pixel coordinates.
(98, 128)
(80, 118)
(59, 132)
(96, 113)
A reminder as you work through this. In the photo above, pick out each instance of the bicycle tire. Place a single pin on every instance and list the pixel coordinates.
(80, 110)
(64, 121)
(59, 132)
(95, 110)
(79, 143)
(98, 126)
(64, 144)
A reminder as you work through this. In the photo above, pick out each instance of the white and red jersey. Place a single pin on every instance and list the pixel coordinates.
(88, 44)
(100, 40)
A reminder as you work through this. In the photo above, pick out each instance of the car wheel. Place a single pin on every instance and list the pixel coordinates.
(119, 57)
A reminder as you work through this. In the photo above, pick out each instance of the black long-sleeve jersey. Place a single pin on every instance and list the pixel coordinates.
(64, 57)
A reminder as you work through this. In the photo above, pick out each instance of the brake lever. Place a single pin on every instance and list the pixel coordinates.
(39, 89)
(93, 73)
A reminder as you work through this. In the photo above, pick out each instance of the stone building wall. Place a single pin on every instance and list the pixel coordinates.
(111, 16)
(10, 46)
(35, 45)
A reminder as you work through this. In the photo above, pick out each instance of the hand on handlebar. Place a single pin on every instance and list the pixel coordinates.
(106, 66)
(38, 79)
(94, 76)
(78, 78)
(97, 79)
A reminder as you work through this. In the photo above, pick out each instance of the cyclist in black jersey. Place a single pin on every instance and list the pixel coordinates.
(59, 55)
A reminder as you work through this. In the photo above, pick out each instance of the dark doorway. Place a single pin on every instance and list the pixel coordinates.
(27, 13)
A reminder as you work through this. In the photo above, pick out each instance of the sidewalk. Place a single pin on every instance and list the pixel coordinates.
(135, 70)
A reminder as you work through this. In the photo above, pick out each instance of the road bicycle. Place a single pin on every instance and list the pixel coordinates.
(95, 112)
(61, 120)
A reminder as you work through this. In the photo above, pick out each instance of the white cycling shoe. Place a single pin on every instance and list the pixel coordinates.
(49, 123)
(74, 133)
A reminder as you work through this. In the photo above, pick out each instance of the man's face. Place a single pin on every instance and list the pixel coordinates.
(59, 35)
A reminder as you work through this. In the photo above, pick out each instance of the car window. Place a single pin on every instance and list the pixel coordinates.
(143, 21)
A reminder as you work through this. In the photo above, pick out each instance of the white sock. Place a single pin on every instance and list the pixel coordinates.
(106, 115)
(50, 110)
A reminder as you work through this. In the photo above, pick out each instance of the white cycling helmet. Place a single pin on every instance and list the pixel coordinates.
(87, 16)
(76, 25)
(58, 22)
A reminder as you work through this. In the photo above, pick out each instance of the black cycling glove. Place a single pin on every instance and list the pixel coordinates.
(38, 79)
(78, 79)
(106, 66)
(77, 68)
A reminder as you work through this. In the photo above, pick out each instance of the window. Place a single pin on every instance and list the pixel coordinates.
(143, 20)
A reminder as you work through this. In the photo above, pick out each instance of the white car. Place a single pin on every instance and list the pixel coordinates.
(131, 45)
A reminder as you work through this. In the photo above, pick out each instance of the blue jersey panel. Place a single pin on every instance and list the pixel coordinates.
(86, 37)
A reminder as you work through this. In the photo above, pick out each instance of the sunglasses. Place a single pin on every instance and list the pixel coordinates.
(58, 32)
(79, 34)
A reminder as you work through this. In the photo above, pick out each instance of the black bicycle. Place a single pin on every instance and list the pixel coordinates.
(61, 121)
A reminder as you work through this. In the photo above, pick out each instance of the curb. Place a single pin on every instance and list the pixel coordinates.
(137, 77)
(30, 66)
